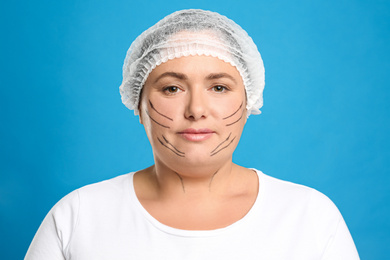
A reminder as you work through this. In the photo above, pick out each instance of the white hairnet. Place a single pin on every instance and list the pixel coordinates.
(193, 32)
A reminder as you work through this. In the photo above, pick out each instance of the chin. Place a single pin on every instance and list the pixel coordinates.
(195, 164)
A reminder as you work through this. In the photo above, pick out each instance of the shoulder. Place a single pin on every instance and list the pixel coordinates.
(305, 218)
(81, 209)
(281, 188)
(107, 188)
(92, 194)
(287, 196)
(88, 202)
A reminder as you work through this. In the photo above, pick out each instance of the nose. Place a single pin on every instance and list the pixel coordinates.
(196, 105)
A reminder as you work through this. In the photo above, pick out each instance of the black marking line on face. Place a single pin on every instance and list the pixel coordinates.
(182, 183)
(223, 147)
(234, 112)
(155, 120)
(177, 150)
(178, 154)
(221, 143)
(237, 119)
(212, 177)
(151, 105)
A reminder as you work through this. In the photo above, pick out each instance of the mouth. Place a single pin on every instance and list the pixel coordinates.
(196, 135)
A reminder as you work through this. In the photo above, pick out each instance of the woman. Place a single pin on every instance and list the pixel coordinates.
(193, 78)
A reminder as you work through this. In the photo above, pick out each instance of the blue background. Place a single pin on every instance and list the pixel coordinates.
(324, 124)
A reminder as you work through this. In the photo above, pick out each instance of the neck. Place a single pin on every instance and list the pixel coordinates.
(197, 181)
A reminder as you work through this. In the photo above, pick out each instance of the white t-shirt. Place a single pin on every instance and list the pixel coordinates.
(106, 221)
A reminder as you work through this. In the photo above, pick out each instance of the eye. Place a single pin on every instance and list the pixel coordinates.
(171, 90)
(219, 88)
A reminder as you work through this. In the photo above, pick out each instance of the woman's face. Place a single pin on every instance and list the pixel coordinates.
(193, 110)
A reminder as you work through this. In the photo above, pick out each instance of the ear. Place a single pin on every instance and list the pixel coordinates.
(140, 112)
(140, 117)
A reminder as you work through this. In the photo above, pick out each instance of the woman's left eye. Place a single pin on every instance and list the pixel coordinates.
(219, 88)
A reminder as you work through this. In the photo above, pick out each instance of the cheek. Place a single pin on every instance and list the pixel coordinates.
(157, 115)
(233, 110)
(162, 110)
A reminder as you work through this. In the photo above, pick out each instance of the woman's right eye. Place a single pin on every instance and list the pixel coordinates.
(171, 90)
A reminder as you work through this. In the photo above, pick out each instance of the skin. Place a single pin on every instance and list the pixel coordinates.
(194, 184)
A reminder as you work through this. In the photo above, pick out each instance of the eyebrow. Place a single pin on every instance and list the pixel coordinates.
(172, 74)
(182, 76)
(220, 75)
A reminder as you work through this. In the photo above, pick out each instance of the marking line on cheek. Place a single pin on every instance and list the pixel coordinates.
(151, 105)
(221, 143)
(166, 146)
(223, 147)
(233, 113)
(177, 150)
(155, 120)
(237, 119)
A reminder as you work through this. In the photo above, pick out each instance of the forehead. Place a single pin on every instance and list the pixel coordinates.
(197, 67)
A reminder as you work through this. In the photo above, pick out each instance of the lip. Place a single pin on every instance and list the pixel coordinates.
(196, 135)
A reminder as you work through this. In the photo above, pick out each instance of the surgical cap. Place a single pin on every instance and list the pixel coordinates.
(193, 32)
